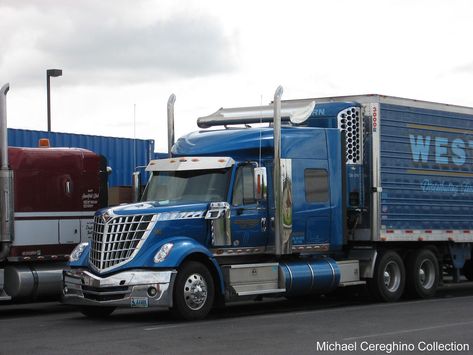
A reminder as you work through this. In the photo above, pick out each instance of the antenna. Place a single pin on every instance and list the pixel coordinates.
(134, 136)
(260, 128)
(171, 101)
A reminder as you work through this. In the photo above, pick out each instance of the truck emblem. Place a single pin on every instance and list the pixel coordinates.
(106, 217)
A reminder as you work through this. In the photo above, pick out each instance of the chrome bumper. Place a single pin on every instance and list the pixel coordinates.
(132, 288)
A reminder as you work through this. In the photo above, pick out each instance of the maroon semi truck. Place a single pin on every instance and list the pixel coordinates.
(47, 202)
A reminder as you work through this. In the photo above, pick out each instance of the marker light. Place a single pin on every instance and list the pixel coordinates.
(77, 252)
(43, 143)
(163, 252)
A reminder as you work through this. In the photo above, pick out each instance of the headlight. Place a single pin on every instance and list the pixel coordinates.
(163, 252)
(77, 252)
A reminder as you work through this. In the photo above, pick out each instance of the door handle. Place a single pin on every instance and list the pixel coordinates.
(264, 224)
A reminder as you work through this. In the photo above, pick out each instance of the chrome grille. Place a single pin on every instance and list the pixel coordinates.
(115, 241)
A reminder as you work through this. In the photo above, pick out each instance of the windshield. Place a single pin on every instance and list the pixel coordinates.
(170, 187)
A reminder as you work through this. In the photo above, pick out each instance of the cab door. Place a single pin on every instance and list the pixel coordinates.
(249, 216)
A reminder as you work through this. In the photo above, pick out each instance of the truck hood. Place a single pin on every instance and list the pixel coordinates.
(154, 208)
(169, 223)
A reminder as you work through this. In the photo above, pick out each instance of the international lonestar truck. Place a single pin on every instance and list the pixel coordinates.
(318, 194)
(48, 197)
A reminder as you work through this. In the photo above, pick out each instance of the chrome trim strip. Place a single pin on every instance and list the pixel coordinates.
(312, 274)
(415, 235)
(374, 115)
(238, 251)
(333, 273)
(171, 216)
(291, 276)
(311, 247)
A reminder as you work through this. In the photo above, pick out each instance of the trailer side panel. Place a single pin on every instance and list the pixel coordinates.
(426, 164)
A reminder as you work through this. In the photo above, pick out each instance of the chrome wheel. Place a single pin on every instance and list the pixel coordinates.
(392, 276)
(389, 276)
(427, 273)
(423, 273)
(195, 292)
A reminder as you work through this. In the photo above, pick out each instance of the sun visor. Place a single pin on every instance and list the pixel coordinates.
(190, 163)
(295, 112)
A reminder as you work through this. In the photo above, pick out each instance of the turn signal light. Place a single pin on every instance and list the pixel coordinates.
(44, 143)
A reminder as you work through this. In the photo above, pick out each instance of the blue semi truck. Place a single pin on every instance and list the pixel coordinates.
(291, 199)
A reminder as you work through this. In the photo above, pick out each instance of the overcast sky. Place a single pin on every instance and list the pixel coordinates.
(118, 54)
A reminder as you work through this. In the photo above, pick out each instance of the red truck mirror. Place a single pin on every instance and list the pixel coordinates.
(260, 183)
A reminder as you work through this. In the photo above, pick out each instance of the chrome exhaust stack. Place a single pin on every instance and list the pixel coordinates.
(278, 227)
(3, 127)
(282, 186)
(171, 101)
(6, 181)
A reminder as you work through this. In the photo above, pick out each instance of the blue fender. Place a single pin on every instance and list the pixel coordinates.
(183, 247)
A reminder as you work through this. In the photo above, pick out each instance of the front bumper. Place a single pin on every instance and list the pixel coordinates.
(126, 289)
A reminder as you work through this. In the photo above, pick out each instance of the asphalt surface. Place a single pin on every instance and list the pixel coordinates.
(266, 327)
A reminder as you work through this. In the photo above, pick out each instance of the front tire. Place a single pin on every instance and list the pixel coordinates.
(194, 291)
(389, 277)
(422, 274)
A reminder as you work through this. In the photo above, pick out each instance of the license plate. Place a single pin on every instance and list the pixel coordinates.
(139, 302)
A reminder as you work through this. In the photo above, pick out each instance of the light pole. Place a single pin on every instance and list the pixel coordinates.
(50, 73)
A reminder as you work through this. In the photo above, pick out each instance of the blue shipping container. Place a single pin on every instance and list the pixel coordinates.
(123, 154)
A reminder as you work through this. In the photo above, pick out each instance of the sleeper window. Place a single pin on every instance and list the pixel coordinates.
(316, 185)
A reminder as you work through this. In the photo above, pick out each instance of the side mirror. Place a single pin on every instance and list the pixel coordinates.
(260, 183)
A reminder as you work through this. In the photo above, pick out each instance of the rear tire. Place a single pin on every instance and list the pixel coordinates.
(96, 312)
(422, 274)
(194, 291)
(388, 280)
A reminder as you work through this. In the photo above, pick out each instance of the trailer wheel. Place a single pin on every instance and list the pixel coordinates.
(96, 312)
(194, 291)
(388, 279)
(422, 274)
(468, 270)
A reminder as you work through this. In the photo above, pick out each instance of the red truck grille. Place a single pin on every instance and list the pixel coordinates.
(115, 241)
